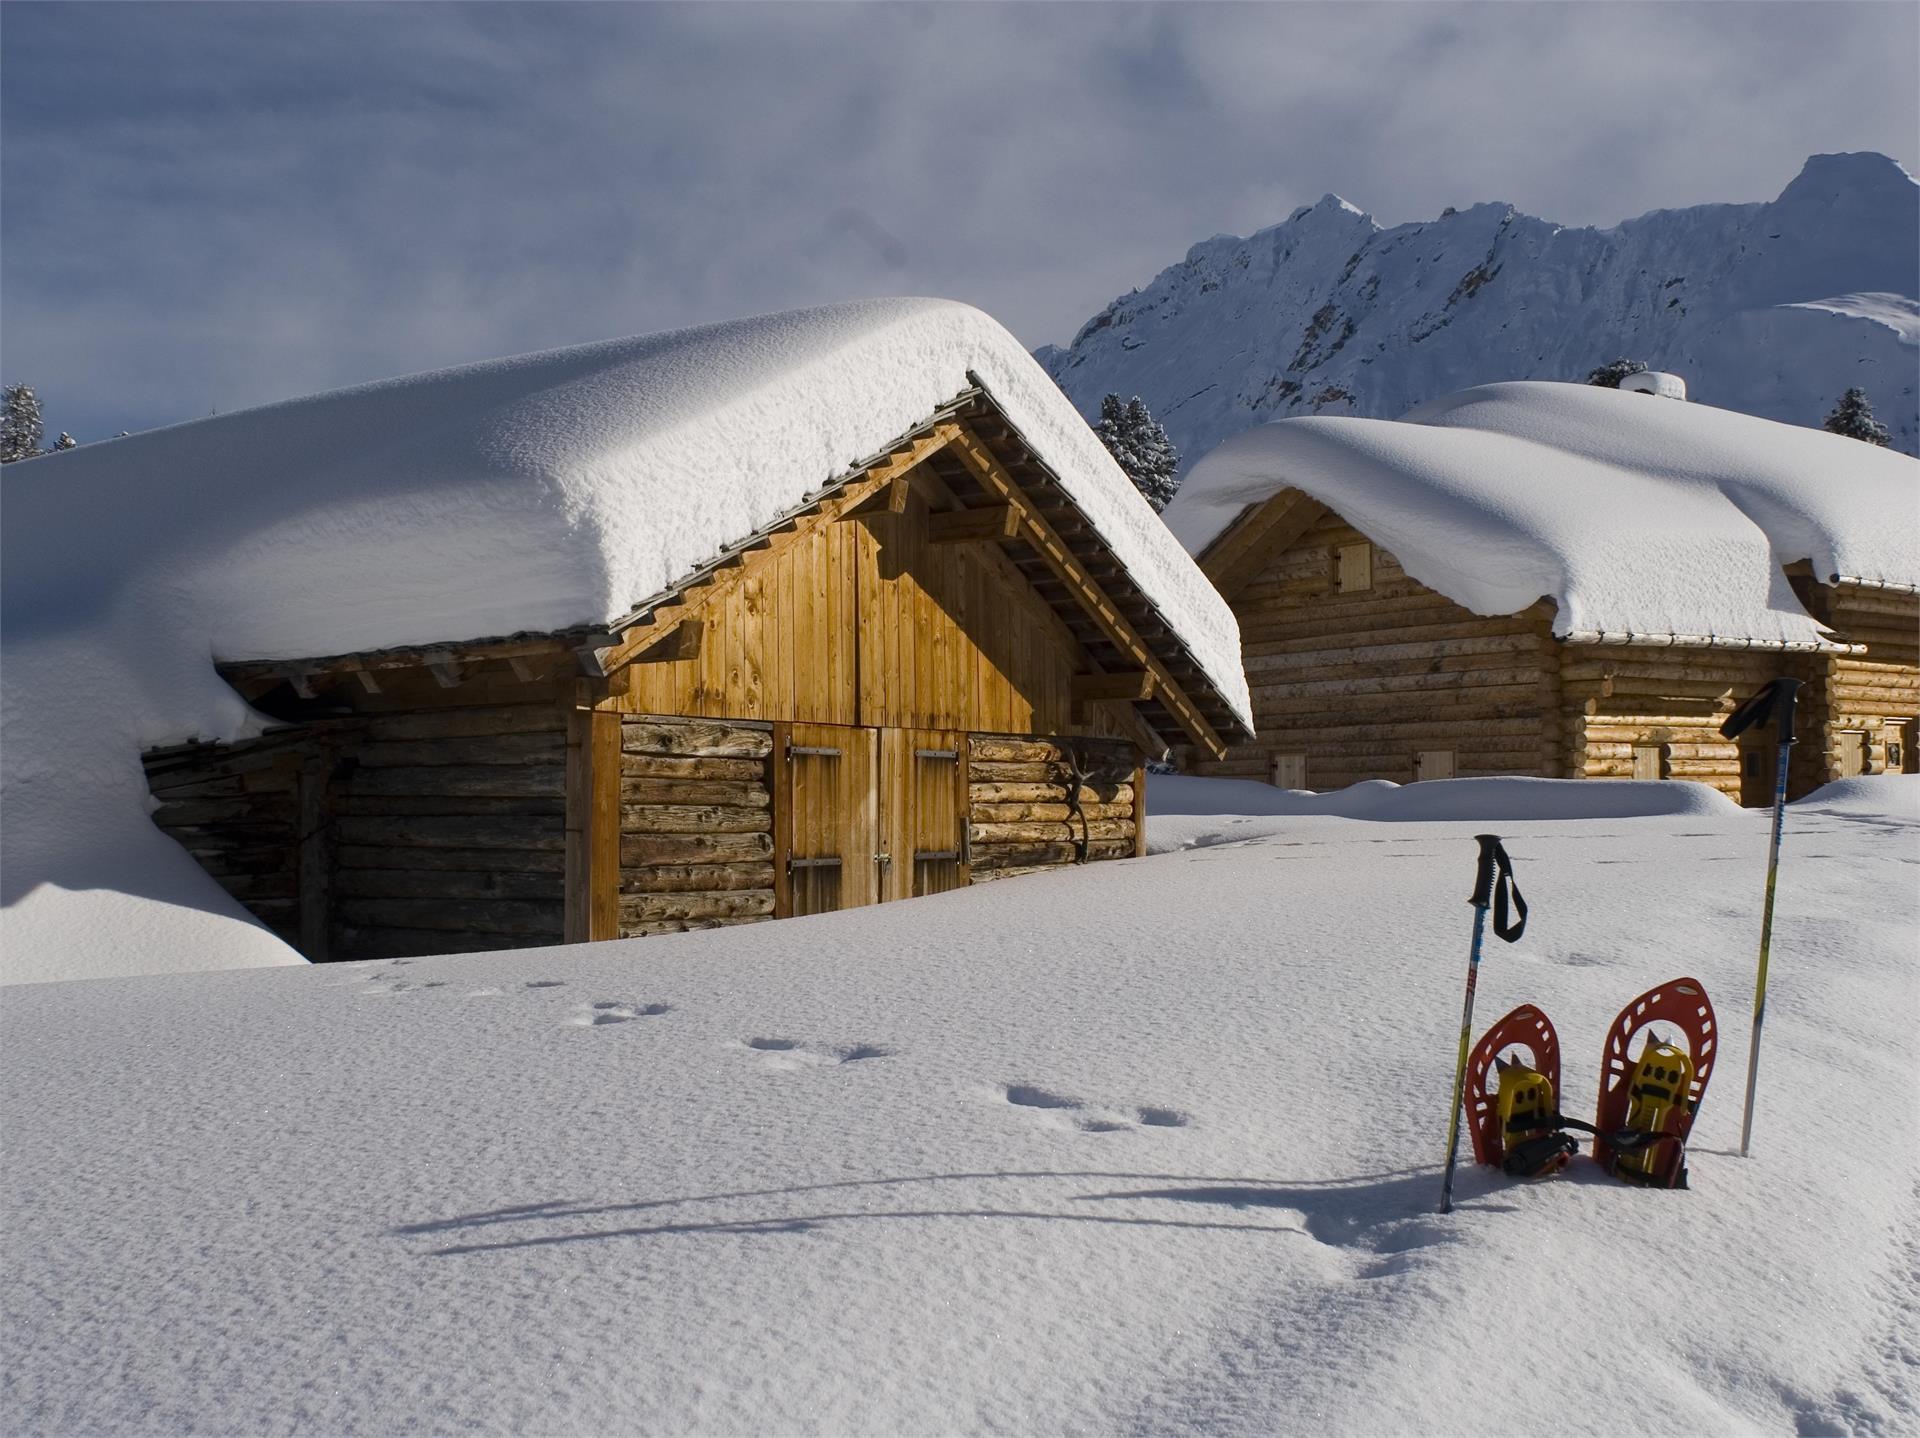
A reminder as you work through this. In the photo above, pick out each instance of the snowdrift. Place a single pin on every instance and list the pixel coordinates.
(527, 494)
(1638, 517)
(969, 1165)
(1440, 800)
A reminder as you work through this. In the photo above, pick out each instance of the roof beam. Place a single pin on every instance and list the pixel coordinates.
(973, 526)
(1045, 540)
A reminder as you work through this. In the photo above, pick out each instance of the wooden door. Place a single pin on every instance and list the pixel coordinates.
(1759, 770)
(826, 822)
(923, 812)
(1433, 764)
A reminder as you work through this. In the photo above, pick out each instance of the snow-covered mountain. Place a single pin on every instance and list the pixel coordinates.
(1773, 308)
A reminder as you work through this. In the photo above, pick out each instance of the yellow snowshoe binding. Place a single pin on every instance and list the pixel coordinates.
(1661, 1081)
(1529, 1123)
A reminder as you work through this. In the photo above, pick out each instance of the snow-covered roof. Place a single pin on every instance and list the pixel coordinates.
(538, 493)
(1636, 516)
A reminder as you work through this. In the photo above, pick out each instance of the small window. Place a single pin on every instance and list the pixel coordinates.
(1290, 771)
(1433, 764)
(1650, 761)
(1355, 568)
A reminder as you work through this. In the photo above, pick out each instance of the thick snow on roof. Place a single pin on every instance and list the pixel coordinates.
(1635, 515)
(534, 493)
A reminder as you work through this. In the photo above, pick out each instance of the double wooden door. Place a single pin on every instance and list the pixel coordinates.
(865, 815)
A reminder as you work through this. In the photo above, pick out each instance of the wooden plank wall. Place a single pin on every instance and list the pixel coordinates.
(1021, 818)
(866, 622)
(1361, 682)
(696, 824)
(448, 831)
(434, 831)
(236, 809)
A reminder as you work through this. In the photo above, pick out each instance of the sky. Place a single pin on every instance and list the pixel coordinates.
(204, 207)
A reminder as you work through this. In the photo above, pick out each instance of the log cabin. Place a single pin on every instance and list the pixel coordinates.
(1561, 581)
(875, 617)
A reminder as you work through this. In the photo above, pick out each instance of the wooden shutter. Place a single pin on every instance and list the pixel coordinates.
(1355, 568)
(1433, 764)
(1850, 752)
(1649, 761)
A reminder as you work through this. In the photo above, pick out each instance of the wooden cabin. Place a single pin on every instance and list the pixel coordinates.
(1358, 670)
(932, 672)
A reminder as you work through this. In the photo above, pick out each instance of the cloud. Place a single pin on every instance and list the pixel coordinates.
(221, 205)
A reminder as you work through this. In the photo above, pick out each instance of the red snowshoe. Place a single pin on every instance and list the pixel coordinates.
(1658, 1090)
(1516, 1126)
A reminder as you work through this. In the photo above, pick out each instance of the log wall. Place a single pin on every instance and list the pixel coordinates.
(1618, 699)
(1875, 695)
(696, 824)
(1025, 813)
(1361, 682)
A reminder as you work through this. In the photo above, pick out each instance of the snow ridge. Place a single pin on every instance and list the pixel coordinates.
(1774, 309)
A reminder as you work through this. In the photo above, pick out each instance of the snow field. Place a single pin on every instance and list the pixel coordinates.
(968, 1164)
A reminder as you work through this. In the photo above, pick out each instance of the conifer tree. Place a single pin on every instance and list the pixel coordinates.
(66, 441)
(1608, 376)
(1140, 446)
(20, 430)
(1853, 417)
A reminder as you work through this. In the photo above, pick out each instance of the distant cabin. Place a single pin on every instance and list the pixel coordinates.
(942, 665)
(1316, 533)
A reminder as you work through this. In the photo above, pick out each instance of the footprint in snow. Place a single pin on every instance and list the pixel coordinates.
(1087, 1118)
(608, 1011)
(783, 1053)
(543, 984)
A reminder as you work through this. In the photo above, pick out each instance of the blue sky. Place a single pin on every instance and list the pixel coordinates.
(210, 206)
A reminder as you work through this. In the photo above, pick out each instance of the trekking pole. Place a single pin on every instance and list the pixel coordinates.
(1492, 884)
(1772, 705)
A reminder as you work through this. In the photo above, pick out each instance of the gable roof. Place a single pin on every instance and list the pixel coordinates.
(539, 494)
(1638, 517)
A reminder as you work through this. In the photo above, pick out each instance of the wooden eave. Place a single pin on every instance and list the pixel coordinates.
(982, 484)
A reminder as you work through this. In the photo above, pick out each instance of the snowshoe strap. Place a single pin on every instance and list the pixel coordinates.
(1623, 1139)
(1535, 1156)
(1494, 884)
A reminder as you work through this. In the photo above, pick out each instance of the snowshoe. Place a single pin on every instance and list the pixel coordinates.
(1658, 1090)
(1516, 1127)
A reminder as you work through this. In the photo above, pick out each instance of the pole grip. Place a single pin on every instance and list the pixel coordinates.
(1771, 704)
(1493, 885)
(1490, 856)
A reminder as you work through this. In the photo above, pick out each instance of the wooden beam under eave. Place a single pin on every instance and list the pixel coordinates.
(1233, 560)
(974, 526)
(1124, 684)
(1072, 573)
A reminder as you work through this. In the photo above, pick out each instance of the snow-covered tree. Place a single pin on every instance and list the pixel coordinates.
(1608, 376)
(1853, 417)
(1140, 446)
(66, 441)
(20, 429)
